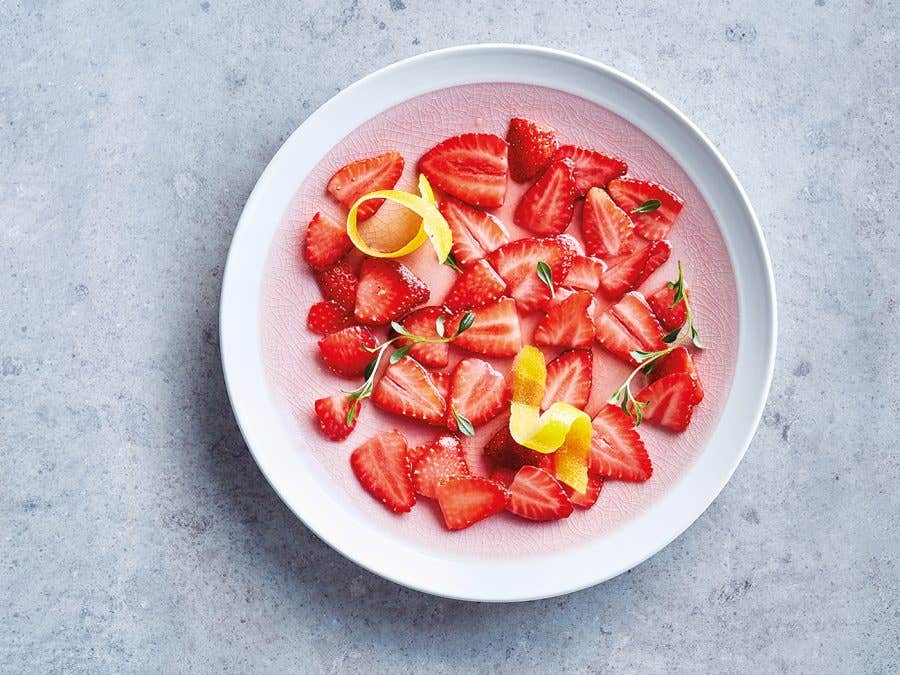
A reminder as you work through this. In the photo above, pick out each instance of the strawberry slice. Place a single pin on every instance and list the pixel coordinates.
(592, 168)
(387, 290)
(352, 181)
(607, 229)
(670, 315)
(503, 476)
(346, 352)
(536, 495)
(470, 167)
(629, 326)
(630, 193)
(464, 500)
(477, 392)
(441, 380)
(503, 451)
(382, 467)
(569, 379)
(332, 414)
(422, 322)
(495, 332)
(588, 498)
(339, 283)
(478, 285)
(617, 451)
(442, 459)
(547, 207)
(670, 401)
(678, 361)
(585, 273)
(569, 323)
(405, 388)
(326, 242)
(631, 271)
(516, 263)
(327, 317)
(475, 233)
(531, 145)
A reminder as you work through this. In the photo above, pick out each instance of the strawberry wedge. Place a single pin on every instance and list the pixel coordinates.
(352, 181)
(652, 207)
(516, 263)
(631, 271)
(546, 209)
(592, 168)
(405, 388)
(617, 451)
(475, 232)
(478, 285)
(495, 332)
(470, 167)
(382, 466)
(477, 392)
(607, 229)
(569, 379)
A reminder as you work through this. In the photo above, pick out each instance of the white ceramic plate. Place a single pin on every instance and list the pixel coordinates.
(270, 436)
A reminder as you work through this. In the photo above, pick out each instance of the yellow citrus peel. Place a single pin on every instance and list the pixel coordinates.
(563, 428)
(433, 226)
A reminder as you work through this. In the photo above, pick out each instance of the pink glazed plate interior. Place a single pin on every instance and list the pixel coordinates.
(297, 376)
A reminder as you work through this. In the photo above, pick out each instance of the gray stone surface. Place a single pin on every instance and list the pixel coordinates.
(138, 534)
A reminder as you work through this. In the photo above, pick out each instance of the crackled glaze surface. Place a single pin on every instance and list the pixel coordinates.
(290, 351)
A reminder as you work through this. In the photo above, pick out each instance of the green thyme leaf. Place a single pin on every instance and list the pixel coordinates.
(352, 412)
(452, 262)
(370, 369)
(640, 356)
(439, 325)
(398, 354)
(695, 337)
(465, 426)
(638, 409)
(648, 206)
(401, 330)
(545, 274)
(671, 337)
(466, 322)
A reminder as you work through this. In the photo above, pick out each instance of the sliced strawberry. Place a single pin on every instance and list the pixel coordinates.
(352, 181)
(383, 468)
(569, 379)
(678, 361)
(475, 233)
(569, 323)
(478, 285)
(339, 283)
(443, 458)
(477, 392)
(536, 495)
(441, 380)
(670, 401)
(629, 326)
(631, 271)
(327, 317)
(471, 167)
(503, 476)
(332, 415)
(546, 209)
(422, 322)
(326, 242)
(617, 451)
(607, 229)
(406, 388)
(592, 168)
(387, 290)
(588, 498)
(516, 263)
(495, 332)
(503, 451)
(670, 315)
(630, 193)
(531, 145)
(346, 352)
(585, 273)
(464, 500)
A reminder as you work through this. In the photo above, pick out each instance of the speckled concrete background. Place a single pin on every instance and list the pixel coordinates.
(138, 534)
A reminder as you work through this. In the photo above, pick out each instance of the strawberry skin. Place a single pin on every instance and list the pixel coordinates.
(569, 323)
(678, 361)
(387, 290)
(346, 352)
(352, 181)
(531, 146)
(442, 459)
(478, 285)
(631, 271)
(569, 379)
(589, 497)
(585, 273)
(422, 322)
(546, 209)
(405, 388)
(475, 233)
(327, 317)
(441, 380)
(536, 495)
(496, 331)
(338, 283)
(617, 451)
(478, 392)
(670, 401)
(592, 168)
(502, 451)
(383, 468)
(630, 193)
(326, 242)
(607, 229)
(516, 263)
(332, 415)
(629, 326)
(670, 315)
(464, 500)
(503, 476)
(470, 167)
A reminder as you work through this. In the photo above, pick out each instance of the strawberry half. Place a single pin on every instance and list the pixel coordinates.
(536, 495)
(547, 207)
(630, 193)
(631, 271)
(382, 467)
(477, 392)
(569, 323)
(464, 500)
(617, 451)
(585, 273)
(670, 401)
(670, 315)
(588, 498)
(327, 317)
(531, 146)
(475, 233)
(478, 285)
(629, 326)
(503, 451)
(516, 263)
(346, 352)
(441, 380)
(339, 283)
(496, 331)
(387, 290)
(422, 322)
(441, 459)
(326, 242)
(470, 167)
(405, 388)
(332, 415)
(678, 361)
(592, 168)
(352, 181)
(607, 229)
(569, 379)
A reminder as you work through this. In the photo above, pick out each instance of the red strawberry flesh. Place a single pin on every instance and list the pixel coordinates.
(531, 146)
(546, 209)
(383, 468)
(536, 495)
(326, 242)
(631, 193)
(405, 388)
(387, 290)
(592, 168)
(465, 500)
(470, 167)
(352, 181)
(569, 379)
